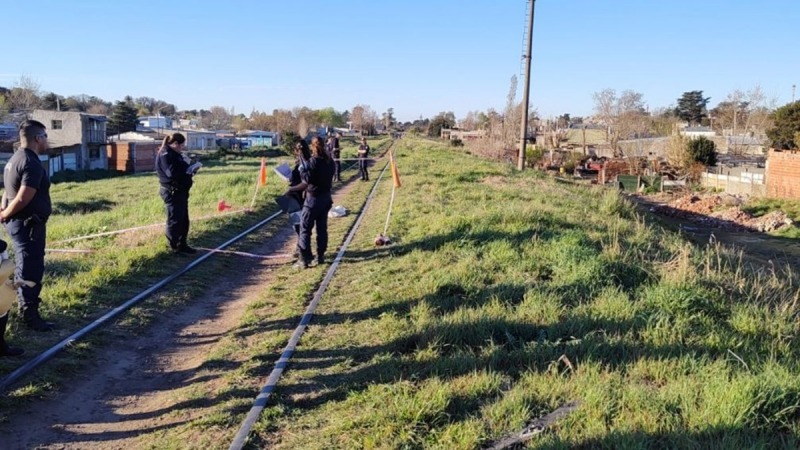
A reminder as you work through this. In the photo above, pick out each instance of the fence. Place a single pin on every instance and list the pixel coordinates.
(748, 181)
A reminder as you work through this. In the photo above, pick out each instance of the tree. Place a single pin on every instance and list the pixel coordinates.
(786, 125)
(25, 94)
(284, 121)
(52, 102)
(261, 121)
(388, 118)
(624, 116)
(123, 118)
(218, 118)
(470, 122)
(563, 120)
(692, 107)
(440, 121)
(677, 151)
(743, 112)
(331, 118)
(3, 108)
(703, 150)
(98, 108)
(371, 120)
(662, 122)
(240, 123)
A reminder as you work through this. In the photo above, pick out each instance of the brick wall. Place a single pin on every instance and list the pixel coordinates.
(783, 174)
(132, 157)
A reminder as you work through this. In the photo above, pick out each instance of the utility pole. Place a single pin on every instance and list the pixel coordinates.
(793, 87)
(526, 94)
(585, 151)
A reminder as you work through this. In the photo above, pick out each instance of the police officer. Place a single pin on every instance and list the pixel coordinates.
(317, 178)
(363, 153)
(176, 180)
(336, 154)
(26, 208)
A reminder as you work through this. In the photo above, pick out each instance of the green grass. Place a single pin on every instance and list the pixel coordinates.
(506, 295)
(503, 296)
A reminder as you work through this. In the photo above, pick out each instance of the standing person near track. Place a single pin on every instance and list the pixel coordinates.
(26, 207)
(175, 176)
(297, 188)
(363, 153)
(318, 179)
(336, 154)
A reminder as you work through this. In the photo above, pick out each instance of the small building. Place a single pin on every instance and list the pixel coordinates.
(133, 156)
(195, 139)
(77, 140)
(696, 132)
(199, 140)
(156, 122)
(260, 138)
(455, 133)
(139, 136)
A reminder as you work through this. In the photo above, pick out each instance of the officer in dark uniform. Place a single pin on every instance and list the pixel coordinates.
(317, 178)
(363, 162)
(176, 180)
(26, 208)
(336, 154)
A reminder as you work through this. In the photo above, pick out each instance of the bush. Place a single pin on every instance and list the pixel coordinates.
(456, 143)
(703, 150)
(786, 126)
(533, 155)
(288, 142)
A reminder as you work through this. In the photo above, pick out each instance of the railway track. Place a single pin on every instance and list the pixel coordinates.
(31, 365)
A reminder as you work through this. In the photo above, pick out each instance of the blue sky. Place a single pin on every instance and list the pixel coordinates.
(419, 57)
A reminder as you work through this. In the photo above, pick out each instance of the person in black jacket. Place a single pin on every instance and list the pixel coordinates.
(317, 178)
(363, 153)
(296, 186)
(175, 178)
(336, 155)
(26, 207)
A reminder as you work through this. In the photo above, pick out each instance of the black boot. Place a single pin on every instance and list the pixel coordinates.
(34, 321)
(187, 250)
(183, 247)
(5, 350)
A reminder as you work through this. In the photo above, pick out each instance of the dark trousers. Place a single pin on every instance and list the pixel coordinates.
(28, 238)
(315, 213)
(177, 203)
(362, 169)
(337, 170)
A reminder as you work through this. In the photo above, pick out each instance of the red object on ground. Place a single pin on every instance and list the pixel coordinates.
(222, 206)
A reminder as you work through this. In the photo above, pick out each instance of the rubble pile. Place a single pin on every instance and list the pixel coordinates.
(723, 211)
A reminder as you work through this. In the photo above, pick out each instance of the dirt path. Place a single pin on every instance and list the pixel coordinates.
(129, 389)
(759, 248)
